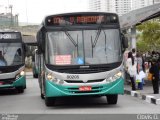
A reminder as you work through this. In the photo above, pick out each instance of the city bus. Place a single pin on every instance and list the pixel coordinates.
(12, 61)
(35, 63)
(81, 54)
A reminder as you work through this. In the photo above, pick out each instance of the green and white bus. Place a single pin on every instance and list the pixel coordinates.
(81, 54)
(12, 61)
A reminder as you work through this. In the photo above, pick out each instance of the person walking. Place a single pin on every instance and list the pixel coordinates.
(140, 69)
(154, 70)
(2, 60)
(131, 69)
(134, 52)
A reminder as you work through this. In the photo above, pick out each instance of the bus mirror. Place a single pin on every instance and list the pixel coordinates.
(40, 39)
(124, 41)
(25, 48)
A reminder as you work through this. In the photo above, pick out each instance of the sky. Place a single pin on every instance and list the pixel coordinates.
(33, 11)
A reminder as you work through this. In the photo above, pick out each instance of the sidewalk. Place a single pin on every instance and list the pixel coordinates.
(29, 73)
(145, 94)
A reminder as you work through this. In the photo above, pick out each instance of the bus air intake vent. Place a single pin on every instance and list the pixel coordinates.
(81, 81)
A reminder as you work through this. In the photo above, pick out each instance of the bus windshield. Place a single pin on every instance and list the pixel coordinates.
(83, 47)
(11, 54)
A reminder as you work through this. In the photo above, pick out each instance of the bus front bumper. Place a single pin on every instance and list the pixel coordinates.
(55, 90)
(20, 82)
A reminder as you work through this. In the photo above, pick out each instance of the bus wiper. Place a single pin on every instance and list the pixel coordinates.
(105, 41)
(96, 38)
(70, 38)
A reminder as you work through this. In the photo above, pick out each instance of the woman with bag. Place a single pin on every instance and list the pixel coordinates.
(131, 69)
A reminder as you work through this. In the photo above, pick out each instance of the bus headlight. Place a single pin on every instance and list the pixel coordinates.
(61, 82)
(115, 77)
(22, 73)
(17, 76)
(50, 76)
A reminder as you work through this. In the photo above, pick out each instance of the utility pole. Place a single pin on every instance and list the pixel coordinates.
(11, 24)
(16, 20)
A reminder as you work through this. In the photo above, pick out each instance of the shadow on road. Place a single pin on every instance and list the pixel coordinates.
(81, 102)
(10, 91)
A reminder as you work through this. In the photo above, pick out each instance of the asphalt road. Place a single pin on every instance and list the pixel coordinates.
(30, 102)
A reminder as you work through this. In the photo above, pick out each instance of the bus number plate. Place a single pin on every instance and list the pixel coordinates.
(85, 88)
(1, 83)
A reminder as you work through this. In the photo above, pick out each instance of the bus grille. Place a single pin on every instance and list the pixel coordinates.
(81, 81)
(83, 71)
(7, 81)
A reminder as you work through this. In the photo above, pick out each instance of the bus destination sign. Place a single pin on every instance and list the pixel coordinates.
(9, 36)
(79, 19)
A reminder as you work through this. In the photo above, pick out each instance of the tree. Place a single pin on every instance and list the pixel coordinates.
(150, 35)
(142, 46)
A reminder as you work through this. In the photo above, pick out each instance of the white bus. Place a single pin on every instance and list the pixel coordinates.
(81, 54)
(12, 61)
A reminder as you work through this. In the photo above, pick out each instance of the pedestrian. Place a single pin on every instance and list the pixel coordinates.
(134, 52)
(131, 69)
(140, 69)
(154, 70)
(2, 60)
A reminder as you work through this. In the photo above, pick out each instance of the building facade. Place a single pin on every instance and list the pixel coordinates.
(8, 20)
(119, 6)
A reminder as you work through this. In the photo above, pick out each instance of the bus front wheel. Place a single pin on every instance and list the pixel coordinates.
(112, 99)
(20, 89)
(42, 95)
(49, 101)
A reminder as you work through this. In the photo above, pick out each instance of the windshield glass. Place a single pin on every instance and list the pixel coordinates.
(83, 47)
(10, 54)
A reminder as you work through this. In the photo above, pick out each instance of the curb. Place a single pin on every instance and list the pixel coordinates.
(147, 98)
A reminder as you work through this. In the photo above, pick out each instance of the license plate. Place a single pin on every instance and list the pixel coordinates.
(1, 83)
(85, 88)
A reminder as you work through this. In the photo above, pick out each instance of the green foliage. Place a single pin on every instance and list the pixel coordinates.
(150, 35)
(142, 46)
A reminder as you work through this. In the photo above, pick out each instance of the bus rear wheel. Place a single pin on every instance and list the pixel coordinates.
(112, 99)
(49, 101)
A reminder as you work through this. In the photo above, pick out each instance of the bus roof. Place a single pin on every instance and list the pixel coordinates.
(83, 13)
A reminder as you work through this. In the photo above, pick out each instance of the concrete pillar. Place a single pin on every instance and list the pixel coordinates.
(133, 37)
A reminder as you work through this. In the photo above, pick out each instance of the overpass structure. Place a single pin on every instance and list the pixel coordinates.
(136, 17)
